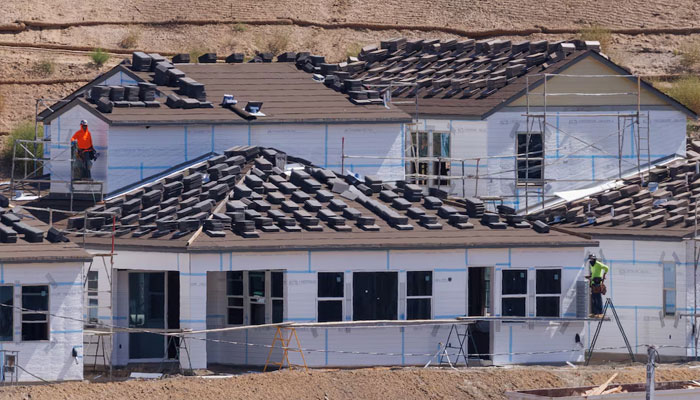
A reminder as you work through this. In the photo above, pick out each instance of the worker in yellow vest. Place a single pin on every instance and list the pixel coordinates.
(597, 282)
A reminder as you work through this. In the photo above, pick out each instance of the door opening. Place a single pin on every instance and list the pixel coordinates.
(479, 305)
(375, 296)
(154, 303)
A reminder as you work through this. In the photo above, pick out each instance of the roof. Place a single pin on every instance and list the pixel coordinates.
(461, 78)
(287, 94)
(659, 205)
(24, 239)
(246, 203)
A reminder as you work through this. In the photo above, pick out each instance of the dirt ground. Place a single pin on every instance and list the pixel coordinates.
(371, 383)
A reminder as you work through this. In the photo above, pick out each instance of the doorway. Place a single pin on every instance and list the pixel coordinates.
(154, 303)
(375, 296)
(479, 305)
(479, 291)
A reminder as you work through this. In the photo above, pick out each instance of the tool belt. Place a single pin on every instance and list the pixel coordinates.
(597, 286)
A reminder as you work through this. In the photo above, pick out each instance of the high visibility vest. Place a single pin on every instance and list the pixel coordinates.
(84, 139)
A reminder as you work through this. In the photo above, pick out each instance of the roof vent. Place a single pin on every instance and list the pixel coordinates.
(254, 107)
(228, 100)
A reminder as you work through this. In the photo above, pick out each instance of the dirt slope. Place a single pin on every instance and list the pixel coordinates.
(376, 383)
(474, 14)
(646, 54)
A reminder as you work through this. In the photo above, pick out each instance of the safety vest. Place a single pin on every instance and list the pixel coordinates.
(597, 269)
(84, 139)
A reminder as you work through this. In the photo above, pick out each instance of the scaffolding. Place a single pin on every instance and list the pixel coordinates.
(538, 118)
(29, 170)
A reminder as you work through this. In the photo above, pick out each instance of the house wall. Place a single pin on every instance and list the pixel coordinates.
(50, 360)
(397, 346)
(132, 154)
(203, 305)
(60, 130)
(635, 285)
(579, 151)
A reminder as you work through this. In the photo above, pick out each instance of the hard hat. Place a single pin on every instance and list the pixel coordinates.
(591, 257)
(83, 122)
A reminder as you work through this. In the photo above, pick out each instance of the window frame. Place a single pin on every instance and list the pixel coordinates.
(665, 290)
(549, 295)
(92, 295)
(523, 157)
(334, 299)
(24, 312)
(11, 307)
(274, 298)
(523, 296)
(230, 297)
(425, 149)
(420, 297)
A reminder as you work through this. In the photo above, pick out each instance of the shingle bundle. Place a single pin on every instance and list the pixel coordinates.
(7, 234)
(475, 207)
(412, 192)
(147, 91)
(192, 181)
(172, 189)
(141, 61)
(193, 89)
(131, 93)
(98, 92)
(151, 198)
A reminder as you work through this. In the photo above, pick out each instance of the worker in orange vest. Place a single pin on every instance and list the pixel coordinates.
(85, 152)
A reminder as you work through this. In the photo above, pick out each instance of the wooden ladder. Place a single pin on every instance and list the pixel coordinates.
(283, 341)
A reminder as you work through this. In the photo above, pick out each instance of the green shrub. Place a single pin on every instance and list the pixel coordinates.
(240, 27)
(45, 67)
(597, 33)
(687, 91)
(130, 39)
(24, 131)
(690, 54)
(99, 57)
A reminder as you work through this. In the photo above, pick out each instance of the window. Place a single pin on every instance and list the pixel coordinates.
(513, 292)
(277, 279)
(547, 292)
(234, 296)
(669, 291)
(6, 313)
(419, 148)
(92, 298)
(35, 313)
(256, 283)
(529, 158)
(330, 296)
(419, 292)
(254, 297)
(425, 145)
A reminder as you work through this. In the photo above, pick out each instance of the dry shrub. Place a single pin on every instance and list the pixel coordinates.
(45, 67)
(130, 39)
(195, 52)
(599, 34)
(353, 49)
(687, 91)
(690, 54)
(239, 27)
(276, 43)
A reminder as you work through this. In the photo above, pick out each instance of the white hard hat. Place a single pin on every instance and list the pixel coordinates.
(83, 122)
